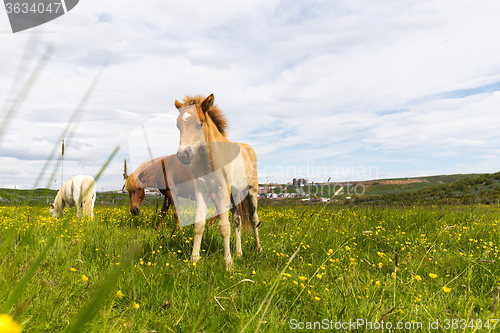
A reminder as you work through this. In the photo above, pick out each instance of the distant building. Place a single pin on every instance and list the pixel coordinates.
(151, 191)
(299, 182)
(266, 189)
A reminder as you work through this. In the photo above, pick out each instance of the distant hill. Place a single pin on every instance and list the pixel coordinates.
(442, 189)
(43, 196)
(453, 189)
(399, 185)
(38, 196)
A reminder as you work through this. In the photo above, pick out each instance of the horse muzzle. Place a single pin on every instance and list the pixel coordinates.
(185, 156)
(134, 211)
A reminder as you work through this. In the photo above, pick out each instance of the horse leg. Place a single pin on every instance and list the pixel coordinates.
(225, 231)
(173, 199)
(199, 225)
(224, 226)
(92, 207)
(176, 216)
(254, 218)
(164, 210)
(79, 205)
(214, 218)
(165, 206)
(79, 211)
(235, 212)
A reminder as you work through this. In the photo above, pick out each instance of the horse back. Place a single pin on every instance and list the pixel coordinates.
(250, 161)
(177, 175)
(180, 177)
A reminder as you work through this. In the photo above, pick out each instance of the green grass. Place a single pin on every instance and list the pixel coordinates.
(460, 247)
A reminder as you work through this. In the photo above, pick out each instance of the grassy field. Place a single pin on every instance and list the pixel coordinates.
(120, 273)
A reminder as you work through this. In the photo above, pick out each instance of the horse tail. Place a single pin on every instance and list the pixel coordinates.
(89, 192)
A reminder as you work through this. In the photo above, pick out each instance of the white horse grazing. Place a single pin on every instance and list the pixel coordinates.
(69, 196)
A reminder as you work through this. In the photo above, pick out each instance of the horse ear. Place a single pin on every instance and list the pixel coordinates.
(178, 104)
(207, 103)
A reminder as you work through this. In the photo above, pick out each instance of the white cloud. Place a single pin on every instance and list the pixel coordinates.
(341, 84)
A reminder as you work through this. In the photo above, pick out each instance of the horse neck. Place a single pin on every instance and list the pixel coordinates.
(213, 135)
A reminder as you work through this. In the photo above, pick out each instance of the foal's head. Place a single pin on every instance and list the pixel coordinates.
(193, 114)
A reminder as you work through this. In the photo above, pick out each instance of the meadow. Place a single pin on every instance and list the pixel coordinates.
(321, 266)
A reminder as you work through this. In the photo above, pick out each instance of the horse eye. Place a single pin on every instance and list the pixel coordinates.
(198, 126)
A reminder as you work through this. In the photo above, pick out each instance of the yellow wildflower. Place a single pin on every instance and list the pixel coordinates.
(8, 324)
(446, 290)
(119, 294)
(432, 275)
(85, 278)
(418, 278)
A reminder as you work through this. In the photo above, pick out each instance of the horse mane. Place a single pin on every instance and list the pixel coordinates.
(214, 112)
(130, 184)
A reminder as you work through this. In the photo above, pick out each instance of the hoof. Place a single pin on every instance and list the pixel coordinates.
(195, 258)
(229, 263)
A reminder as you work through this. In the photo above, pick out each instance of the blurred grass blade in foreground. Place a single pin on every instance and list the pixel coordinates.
(69, 131)
(25, 89)
(92, 307)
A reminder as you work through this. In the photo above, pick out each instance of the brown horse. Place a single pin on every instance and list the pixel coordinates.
(226, 168)
(163, 176)
(150, 174)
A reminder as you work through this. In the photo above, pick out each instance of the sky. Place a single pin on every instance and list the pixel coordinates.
(339, 90)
